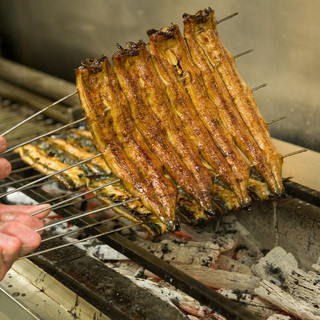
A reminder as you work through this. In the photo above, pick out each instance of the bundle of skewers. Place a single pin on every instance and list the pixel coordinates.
(174, 132)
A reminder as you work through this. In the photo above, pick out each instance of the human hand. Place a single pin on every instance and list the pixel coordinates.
(17, 235)
(5, 166)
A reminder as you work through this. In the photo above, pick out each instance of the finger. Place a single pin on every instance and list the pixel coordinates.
(5, 168)
(3, 144)
(11, 250)
(31, 222)
(27, 236)
(25, 209)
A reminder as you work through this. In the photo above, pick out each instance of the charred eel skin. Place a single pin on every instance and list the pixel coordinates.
(152, 132)
(204, 31)
(170, 55)
(134, 144)
(142, 72)
(89, 80)
(228, 112)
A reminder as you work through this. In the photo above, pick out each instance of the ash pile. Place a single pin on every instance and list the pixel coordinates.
(224, 256)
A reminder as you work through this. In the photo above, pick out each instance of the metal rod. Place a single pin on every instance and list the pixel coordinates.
(294, 153)
(79, 200)
(15, 160)
(227, 17)
(78, 241)
(21, 180)
(21, 169)
(80, 229)
(259, 87)
(37, 113)
(48, 176)
(276, 120)
(72, 198)
(40, 185)
(43, 135)
(81, 215)
(63, 196)
(242, 53)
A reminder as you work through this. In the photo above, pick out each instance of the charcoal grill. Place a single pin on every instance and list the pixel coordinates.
(272, 223)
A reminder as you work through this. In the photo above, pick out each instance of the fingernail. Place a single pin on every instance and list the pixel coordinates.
(7, 216)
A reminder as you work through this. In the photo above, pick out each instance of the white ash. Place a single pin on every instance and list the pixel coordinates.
(188, 252)
(19, 198)
(250, 302)
(225, 240)
(177, 298)
(94, 247)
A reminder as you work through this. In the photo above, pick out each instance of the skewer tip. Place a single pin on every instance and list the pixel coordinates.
(228, 17)
(294, 153)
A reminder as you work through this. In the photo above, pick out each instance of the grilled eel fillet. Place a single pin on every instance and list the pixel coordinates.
(204, 31)
(133, 142)
(47, 164)
(90, 80)
(170, 55)
(224, 198)
(48, 155)
(140, 68)
(154, 135)
(228, 112)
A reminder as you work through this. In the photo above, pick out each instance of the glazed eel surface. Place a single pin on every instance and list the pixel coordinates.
(184, 83)
(149, 125)
(143, 74)
(203, 29)
(90, 80)
(134, 144)
(219, 94)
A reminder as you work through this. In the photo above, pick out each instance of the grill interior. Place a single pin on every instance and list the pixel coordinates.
(271, 223)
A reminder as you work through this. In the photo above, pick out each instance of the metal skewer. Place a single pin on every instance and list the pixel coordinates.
(259, 87)
(15, 160)
(227, 17)
(40, 185)
(276, 120)
(21, 169)
(50, 175)
(43, 135)
(21, 180)
(82, 240)
(81, 215)
(80, 229)
(39, 112)
(77, 196)
(63, 196)
(73, 202)
(243, 53)
(294, 153)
